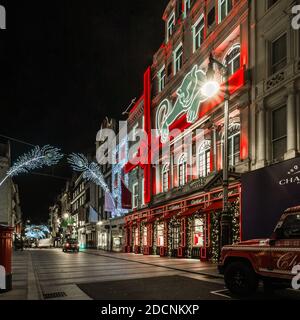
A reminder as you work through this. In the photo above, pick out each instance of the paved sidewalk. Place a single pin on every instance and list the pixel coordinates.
(188, 265)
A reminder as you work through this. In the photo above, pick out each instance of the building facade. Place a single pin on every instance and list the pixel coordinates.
(183, 217)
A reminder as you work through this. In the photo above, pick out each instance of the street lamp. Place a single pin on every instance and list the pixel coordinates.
(210, 89)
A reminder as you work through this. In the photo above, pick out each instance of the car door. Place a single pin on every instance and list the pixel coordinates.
(285, 253)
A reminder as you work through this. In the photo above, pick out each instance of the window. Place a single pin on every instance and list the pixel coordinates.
(182, 171)
(145, 236)
(271, 3)
(234, 145)
(225, 7)
(170, 26)
(198, 33)
(175, 235)
(279, 133)
(278, 54)
(211, 17)
(233, 60)
(160, 235)
(143, 191)
(291, 227)
(178, 54)
(136, 236)
(198, 232)
(134, 138)
(165, 178)
(204, 159)
(161, 79)
(186, 7)
(135, 195)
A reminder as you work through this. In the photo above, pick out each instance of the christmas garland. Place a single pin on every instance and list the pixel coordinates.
(189, 235)
(215, 236)
(154, 248)
(234, 211)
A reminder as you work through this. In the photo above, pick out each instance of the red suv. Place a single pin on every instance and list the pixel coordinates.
(71, 245)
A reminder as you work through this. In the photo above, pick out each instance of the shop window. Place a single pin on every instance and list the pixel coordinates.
(198, 34)
(278, 54)
(178, 58)
(225, 7)
(175, 235)
(160, 235)
(170, 26)
(279, 133)
(198, 232)
(145, 236)
(204, 159)
(136, 237)
(211, 17)
(161, 79)
(233, 59)
(165, 177)
(135, 195)
(182, 166)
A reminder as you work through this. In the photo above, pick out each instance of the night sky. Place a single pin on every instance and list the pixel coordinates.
(65, 65)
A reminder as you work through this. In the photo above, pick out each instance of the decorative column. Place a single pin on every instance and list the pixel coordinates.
(261, 135)
(291, 124)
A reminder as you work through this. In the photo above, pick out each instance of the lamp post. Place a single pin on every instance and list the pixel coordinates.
(210, 89)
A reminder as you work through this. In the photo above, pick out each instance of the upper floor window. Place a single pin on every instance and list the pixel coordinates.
(135, 195)
(278, 53)
(182, 172)
(170, 26)
(186, 7)
(143, 191)
(204, 159)
(234, 145)
(177, 57)
(225, 7)
(233, 59)
(198, 33)
(279, 133)
(161, 79)
(165, 177)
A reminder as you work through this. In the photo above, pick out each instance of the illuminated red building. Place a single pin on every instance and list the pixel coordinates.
(180, 214)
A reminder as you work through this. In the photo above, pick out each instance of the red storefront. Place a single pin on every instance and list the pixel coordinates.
(185, 228)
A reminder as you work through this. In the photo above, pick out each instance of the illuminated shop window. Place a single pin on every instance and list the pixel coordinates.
(279, 133)
(224, 7)
(136, 237)
(204, 159)
(145, 236)
(161, 79)
(198, 232)
(135, 195)
(233, 59)
(198, 33)
(182, 170)
(160, 235)
(234, 145)
(177, 58)
(175, 235)
(186, 7)
(165, 177)
(170, 26)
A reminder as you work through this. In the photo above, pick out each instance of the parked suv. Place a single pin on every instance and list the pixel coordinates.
(270, 260)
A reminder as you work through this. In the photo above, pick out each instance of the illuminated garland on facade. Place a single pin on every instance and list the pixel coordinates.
(37, 158)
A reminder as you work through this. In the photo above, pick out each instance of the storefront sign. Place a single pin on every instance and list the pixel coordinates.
(189, 98)
(266, 194)
(175, 207)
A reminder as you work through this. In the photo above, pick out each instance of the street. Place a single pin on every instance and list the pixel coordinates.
(51, 274)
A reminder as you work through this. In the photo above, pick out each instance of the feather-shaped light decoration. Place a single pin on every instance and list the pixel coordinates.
(35, 159)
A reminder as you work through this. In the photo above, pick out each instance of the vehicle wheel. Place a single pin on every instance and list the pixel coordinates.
(240, 279)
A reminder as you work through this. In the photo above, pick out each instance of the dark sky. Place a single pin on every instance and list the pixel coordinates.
(65, 65)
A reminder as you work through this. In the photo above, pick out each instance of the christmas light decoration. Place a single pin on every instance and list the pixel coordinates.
(35, 159)
(36, 232)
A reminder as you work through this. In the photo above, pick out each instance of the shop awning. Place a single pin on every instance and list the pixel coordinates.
(191, 211)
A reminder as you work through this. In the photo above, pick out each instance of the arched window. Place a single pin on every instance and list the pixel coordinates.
(165, 177)
(182, 170)
(233, 59)
(234, 144)
(204, 159)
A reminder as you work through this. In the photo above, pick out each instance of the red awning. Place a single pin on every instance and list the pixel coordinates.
(192, 210)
